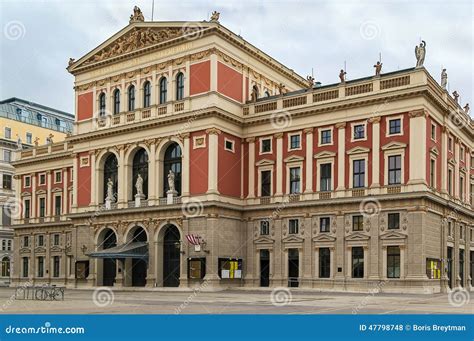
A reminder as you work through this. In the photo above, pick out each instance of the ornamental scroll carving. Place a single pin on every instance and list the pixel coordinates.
(136, 39)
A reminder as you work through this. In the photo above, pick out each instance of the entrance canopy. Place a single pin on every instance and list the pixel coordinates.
(130, 250)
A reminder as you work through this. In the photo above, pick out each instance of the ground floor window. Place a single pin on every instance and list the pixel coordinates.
(324, 262)
(393, 262)
(56, 266)
(40, 266)
(449, 266)
(196, 268)
(5, 267)
(472, 268)
(82, 269)
(433, 268)
(461, 266)
(25, 266)
(230, 268)
(358, 262)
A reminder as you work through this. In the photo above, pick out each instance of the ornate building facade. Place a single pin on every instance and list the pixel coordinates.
(198, 158)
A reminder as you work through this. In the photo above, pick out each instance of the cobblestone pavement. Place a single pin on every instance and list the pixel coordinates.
(233, 302)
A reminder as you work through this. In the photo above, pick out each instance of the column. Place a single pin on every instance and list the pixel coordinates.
(49, 201)
(171, 93)
(341, 151)
(153, 100)
(212, 239)
(309, 160)
(417, 163)
(375, 152)
(75, 169)
(95, 113)
(366, 261)
(456, 168)
(186, 165)
(33, 195)
(18, 186)
(94, 188)
(251, 174)
(333, 262)
(402, 261)
(122, 181)
(65, 191)
(213, 72)
(444, 159)
(213, 174)
(152, 176)
(123, 97)
(384, 262)
(187, 77)
(279, 164)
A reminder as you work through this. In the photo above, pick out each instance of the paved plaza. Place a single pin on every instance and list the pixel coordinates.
(234, 301)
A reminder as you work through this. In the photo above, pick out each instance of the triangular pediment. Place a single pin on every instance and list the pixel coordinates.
(265, 162)
(41, 191)
(358, 150)
(393, 235)
(323, 237)
(452, 161)
(434, 151)
(55, 249)
(294, 158)
(137, 37)
(357, 236)
(393, 145)
(56, 189)
(324, 154)
(263, 240)
(293, 239)
(25, 194)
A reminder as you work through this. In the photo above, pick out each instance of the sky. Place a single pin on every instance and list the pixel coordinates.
(39, 37)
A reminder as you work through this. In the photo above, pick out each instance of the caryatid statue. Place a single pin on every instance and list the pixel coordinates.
(110, 190)
(420, 52)
(444, 79)
(139, 185)
(171, 181)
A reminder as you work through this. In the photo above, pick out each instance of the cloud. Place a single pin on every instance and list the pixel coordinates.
(303, 35)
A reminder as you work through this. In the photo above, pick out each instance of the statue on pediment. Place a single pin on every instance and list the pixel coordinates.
(420, 52)
(444, 79)
(137, 15)
(215, 16)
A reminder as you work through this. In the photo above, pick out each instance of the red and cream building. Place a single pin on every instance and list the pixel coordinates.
(341, 186)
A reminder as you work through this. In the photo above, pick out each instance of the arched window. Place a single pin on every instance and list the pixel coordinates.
(131, 98)
(110, 240)
(172, 161)
(116, 101)
(146, 94)
(267, 94)
(140, 166)
(163, 90)
(179, 86)
(5, 267)
(111, 172)
(102, 104)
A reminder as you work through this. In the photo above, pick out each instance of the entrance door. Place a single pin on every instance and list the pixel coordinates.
(450, 267)
(264, 268)
(171, 257)
(293, 267)
(138, 273)
(109, 272)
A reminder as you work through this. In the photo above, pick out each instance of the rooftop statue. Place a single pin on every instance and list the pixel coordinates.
(444, 79)
(215, 16)
(466, 108)
(420, 52)
(137, 15)
(342, 76)
(456, 96)
(310, 80)
(378, 68)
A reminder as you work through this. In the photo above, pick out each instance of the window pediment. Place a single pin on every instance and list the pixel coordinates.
(294, 158)
(263, 240)
(324, 237)
(357, 236)
(358, 150)
(394, 145)
(293, 239)
(265, 162)
(393, 235)
(324, 154)
(41, 191)
(434, 151)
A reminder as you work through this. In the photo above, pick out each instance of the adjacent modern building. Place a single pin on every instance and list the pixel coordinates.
(197, 158)
(23, 124)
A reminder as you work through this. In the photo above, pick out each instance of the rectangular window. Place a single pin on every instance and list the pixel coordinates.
(40, 266)
(324, 223)
(27, 181)
(57, 177)
(42, 179)
(29, 138)
(393, 221)
(7, 156)
(358, 173)
(42, 207)
(26, 241)
(25, 266)
(325, 177)
(266, 146)
(9, 245)
(7, 181)
(324, 262)
(266, 183)
(450, 144)
(26, 209)
(461, 232)
(229, 145)
(432, 173)
(461, 188)
(433, 132)
(393, 262)
(358, 262)
(57, 205)
(56, 239)
(295, 141)
(8, 133)
(293, 226)
(40, 240)
(450, 229)
(264, 227)
(450, 182)
(295, 180)
(461, 154)
(394, 170)
(359, 131)
(326, 136)
(394, 126)
(461, 267)
(357, 223)
(56, 266)
(4, 244)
